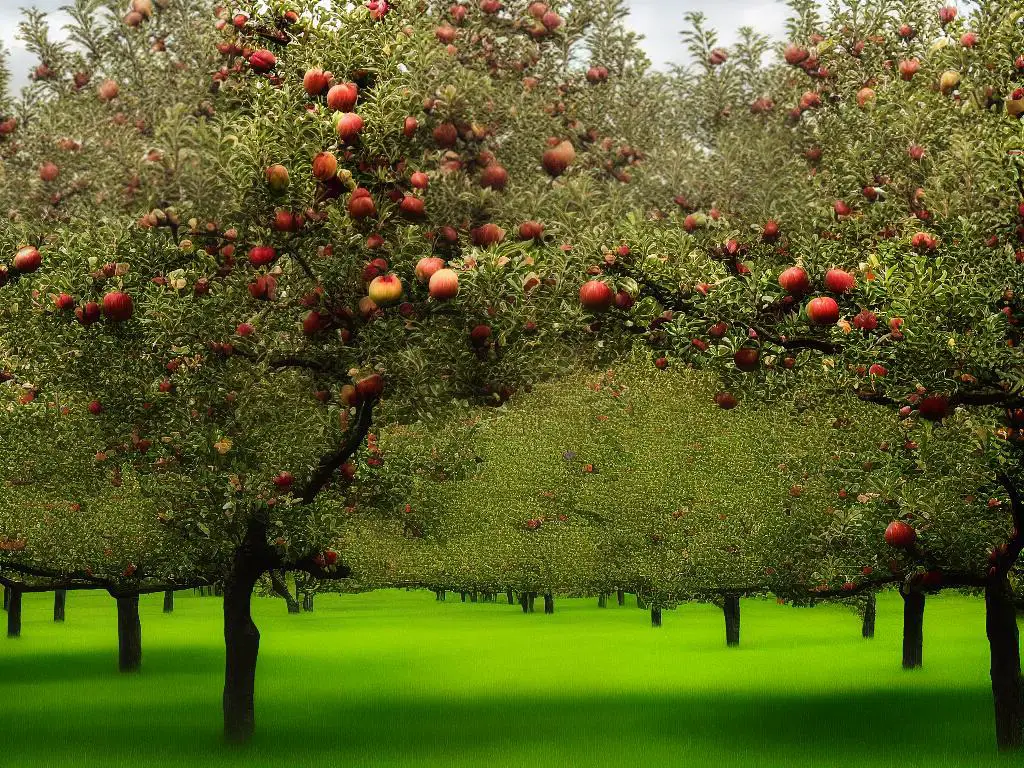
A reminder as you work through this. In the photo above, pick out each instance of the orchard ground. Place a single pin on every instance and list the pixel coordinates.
(397, 679)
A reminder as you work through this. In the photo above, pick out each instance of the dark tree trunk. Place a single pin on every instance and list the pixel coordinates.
(655, 617)
(129, 634)
(524, 602)
(307, 601)
(444, 595)
(913, 629)
(463, 596)
(640, 603)
(169, 601)
(60, 597)
(621, 597)
(472, 596)
(7, 597)
(509, 596)
(731, 608)
(868, 628)
(530, 600)
(602, 600)
(242, 646)
(279, 584)
(549, 603)
(1004, 650)
(14, 612)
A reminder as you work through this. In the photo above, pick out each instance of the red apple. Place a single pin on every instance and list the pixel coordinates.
(823, 311)
(427, 266)
(444, 285)
(27, 259)
(795, 281)
(118, 306)
(315, 80)
(934, 407)
(348, 126)
(557, 159)
(596, 296)
(747, 359)
(261, 255)
(838, 281)
(325, 166)
(494, 177)
(370, 387)
(900, 534)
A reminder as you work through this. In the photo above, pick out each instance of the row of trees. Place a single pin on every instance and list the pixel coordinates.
(221, 288)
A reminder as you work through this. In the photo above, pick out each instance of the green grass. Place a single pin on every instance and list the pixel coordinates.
(396, 679)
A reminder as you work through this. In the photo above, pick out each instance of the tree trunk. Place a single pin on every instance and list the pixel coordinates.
(14, 613)
(640, 603)
(60, 597)
(463, 596)
(307, 601)
(169, 601)
(7, 597)
(524, 602)
(472, 596)
(655, 617)
(509, 596)
(602, 600)
(1004, 650)
(129, 634)
(621, 596)
(913, 629)
(242, 647)
(868, 628)
(530, 600)
(731, 608)
(549, 603)
(444, 595)
(279, 584)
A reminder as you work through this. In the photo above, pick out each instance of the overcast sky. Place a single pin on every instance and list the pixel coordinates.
(658, 20)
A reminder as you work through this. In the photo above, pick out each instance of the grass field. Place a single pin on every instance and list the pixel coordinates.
(397, 679)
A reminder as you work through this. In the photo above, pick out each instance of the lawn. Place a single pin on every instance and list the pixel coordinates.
(397, 679)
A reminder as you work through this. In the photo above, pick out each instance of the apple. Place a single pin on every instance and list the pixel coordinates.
(325, 166)
(427, 266)
(487, 234)
(348, 126)
(314, 322)
(841, 208)
(330, 557)
(277, 177)
(286, 221)
(315, 81)
(480, 335)
(908, 68)
(361, 205)
(107, 90)
(342, 97)
(494, 177)
(444, 285)
(27, 259)
(915, 151)
(245, 329)
(283, 480)
(445, 135)
(770, 232)
(948, 81)
(262, 61)
(412, 207)
(88, 314)
(118, 306)
(969, 39)
(747, 359)
(596, 296)
(446, 33)
(795, 281)
(947, 14)
(934, 407)
(839, 281)
(900, 534)
(64, 302)
(419, 180)
(726, 400)
(263, 287)
(261, 255)
(531, 230)
(878, 370)
(557, 159)
(370, 387)
(596, 75)
(409, 127)
(823, 311)
(385, 290)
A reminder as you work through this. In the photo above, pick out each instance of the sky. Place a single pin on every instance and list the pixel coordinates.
(658, 20)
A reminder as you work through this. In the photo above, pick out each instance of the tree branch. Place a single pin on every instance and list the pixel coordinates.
(329, 464)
